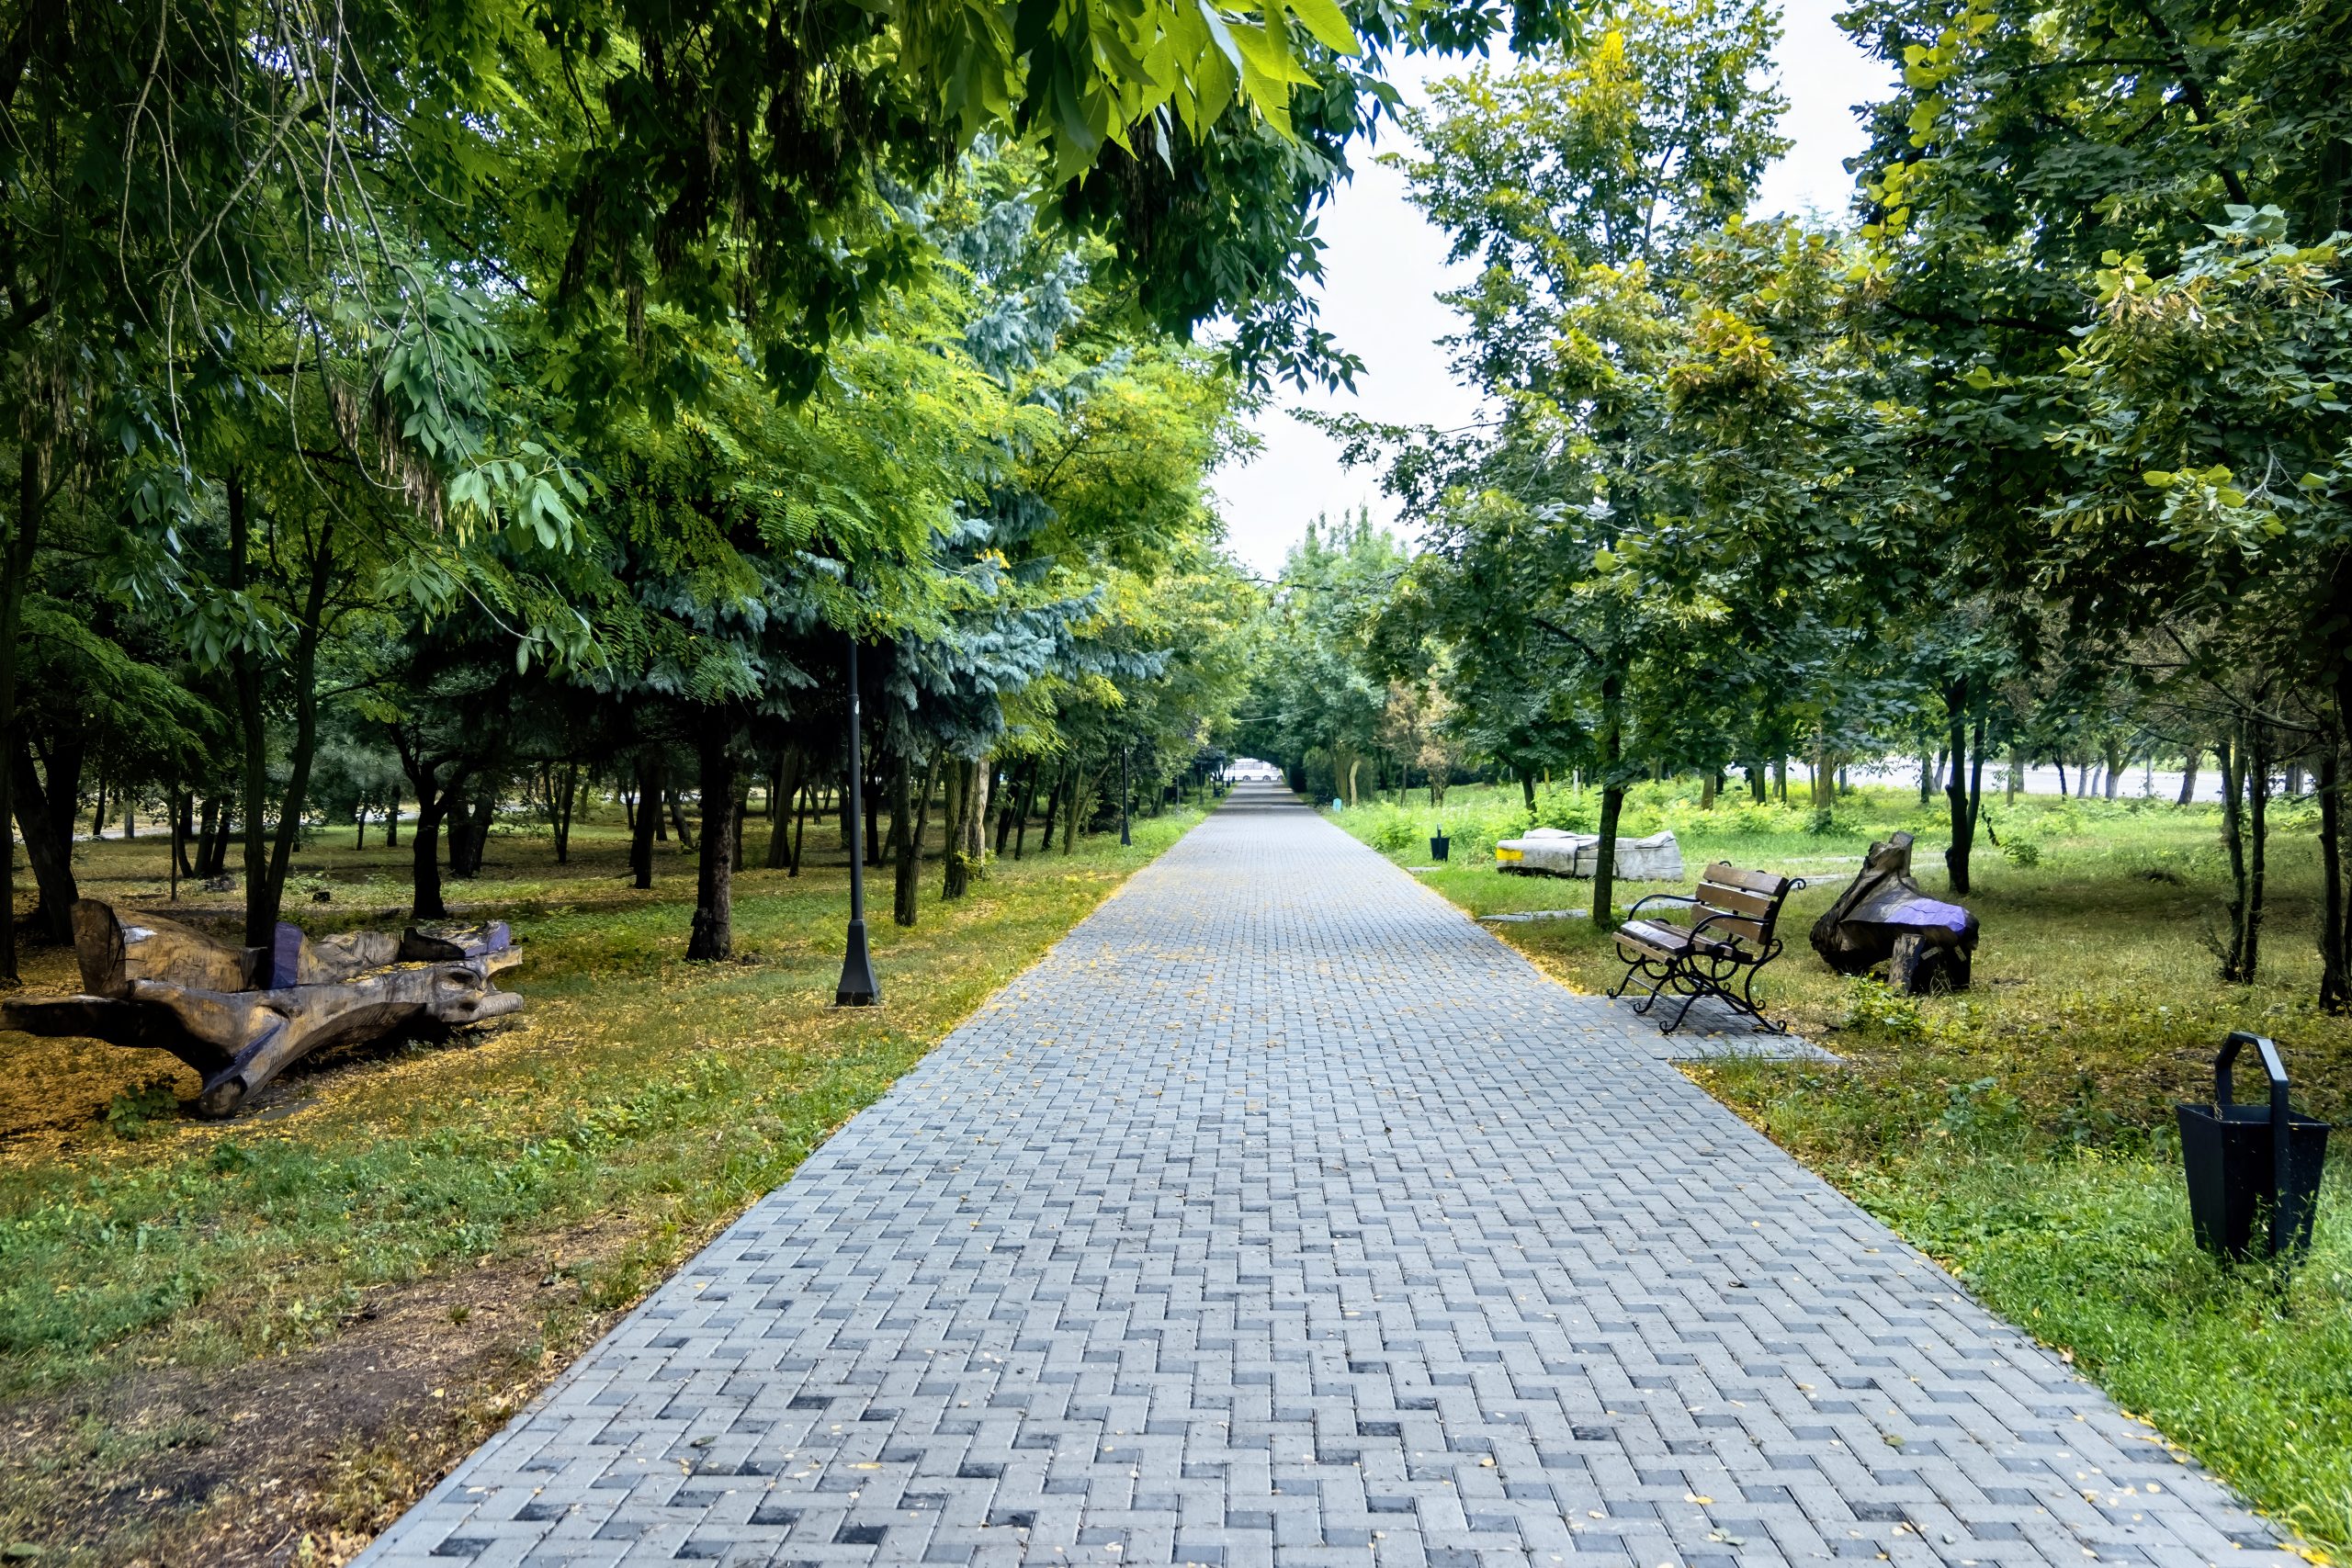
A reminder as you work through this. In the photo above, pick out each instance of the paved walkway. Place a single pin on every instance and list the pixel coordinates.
(1283, 1217)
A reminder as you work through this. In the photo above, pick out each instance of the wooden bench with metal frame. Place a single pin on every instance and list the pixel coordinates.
(1714, 950)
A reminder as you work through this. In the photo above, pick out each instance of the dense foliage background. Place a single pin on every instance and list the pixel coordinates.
(2040, 455)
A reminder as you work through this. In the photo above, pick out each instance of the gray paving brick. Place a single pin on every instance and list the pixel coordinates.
(1282, 1217)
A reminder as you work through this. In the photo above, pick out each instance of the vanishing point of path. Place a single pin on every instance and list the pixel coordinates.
(1283, 1217)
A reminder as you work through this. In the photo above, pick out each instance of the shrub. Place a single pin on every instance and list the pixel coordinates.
(2022, 851)
(1559, 808)
(1872, 1005)
(1979, 1113)
(129, 1113)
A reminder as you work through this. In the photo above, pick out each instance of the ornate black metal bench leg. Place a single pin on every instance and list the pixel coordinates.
(1746, 1004)
(1642, 966)
(1699, 987)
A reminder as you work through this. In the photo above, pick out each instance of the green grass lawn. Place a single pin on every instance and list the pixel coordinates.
(224, 1341)
(2022, 1132)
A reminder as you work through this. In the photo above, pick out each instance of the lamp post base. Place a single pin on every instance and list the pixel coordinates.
(857, 988)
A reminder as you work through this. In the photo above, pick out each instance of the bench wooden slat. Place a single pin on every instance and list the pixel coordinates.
(1729, 875)
(1740, 925)
(1659, 942)
(1737, 901)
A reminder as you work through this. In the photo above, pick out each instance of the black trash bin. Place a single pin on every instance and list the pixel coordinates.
(1439, 844)
(2248, 1163)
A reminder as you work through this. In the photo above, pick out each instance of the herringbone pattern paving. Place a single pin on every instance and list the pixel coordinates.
(1282, 1216)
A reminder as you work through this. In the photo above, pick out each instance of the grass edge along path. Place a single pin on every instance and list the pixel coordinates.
(257, 1341)
(2020, 1135)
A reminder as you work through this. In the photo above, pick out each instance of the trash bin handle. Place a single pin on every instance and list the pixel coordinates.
(2280, 1116)
(2272, 1067)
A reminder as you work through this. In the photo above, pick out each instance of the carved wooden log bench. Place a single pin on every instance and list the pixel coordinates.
(1926, 944)
(1725, 937)
(240, 1016)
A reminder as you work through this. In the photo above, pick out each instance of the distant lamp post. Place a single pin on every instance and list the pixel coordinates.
(1123, 796)
(857, 988)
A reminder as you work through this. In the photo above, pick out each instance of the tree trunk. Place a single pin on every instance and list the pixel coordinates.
(713, 937)
(359, 815)
(873, 787)
(98, 810)
(16, 573)
(1054, 802)
(560, 803)
(784, 786)
(245, 677)
(1612, 803)
(1707, 786)
(2245, 790)
(647, 820)
(965, 840)
(1930, 772)
(2189, 774)
(469, 832)
(184, 821)
(2113, 752)
(424, 856)
(1028, 804)
(2229, 756)
(212, 839)
(954, 882)
(2335, 989)
(677, 812)
(45, 811)
(1015, 810)
(906, 849)
(1080, 806)
(265, 882)
(2016, 771)
(2258, 804)
(1976, 777)
(799, 825)
(1780, 778)
(1963, 818)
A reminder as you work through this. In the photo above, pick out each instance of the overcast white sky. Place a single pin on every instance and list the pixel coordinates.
(1385, 265)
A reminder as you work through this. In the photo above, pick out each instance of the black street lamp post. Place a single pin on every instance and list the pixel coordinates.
(857, 988)
(1123, 796)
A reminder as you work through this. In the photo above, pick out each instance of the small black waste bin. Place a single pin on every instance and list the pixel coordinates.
(2251, 1162)
(1439, 844)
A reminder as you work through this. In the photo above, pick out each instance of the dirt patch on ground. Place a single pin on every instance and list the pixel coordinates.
(300, 1458)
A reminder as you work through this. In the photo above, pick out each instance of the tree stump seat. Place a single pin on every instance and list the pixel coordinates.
(1886, 918)
(240, 1016)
